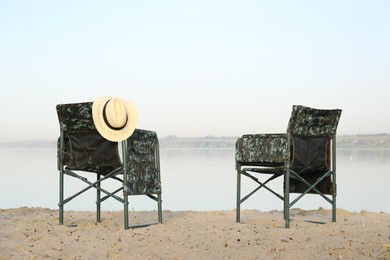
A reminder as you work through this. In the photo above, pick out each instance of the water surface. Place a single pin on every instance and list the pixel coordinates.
(193, 179)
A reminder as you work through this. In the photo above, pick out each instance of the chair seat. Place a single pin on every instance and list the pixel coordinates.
(266, 170)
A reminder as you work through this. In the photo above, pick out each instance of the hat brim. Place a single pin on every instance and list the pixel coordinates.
(107, 132)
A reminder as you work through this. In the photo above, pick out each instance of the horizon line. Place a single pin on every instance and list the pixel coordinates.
(180, 137)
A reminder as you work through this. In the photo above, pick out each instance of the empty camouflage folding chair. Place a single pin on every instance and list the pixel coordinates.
(82, 149)
(305, 156)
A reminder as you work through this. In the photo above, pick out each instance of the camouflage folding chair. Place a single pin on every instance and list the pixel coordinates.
(82, 149)
(305, 156)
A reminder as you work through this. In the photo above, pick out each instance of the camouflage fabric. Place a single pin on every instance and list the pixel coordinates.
(262, 149)
(75, 117)
(143, 164)
(272, 149)
(309, 151)
(62, 155)
(311, 121)
(84, 148)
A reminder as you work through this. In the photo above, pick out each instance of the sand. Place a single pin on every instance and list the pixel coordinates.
(34, 233)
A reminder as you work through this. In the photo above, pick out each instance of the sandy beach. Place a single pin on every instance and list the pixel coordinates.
(34, 233)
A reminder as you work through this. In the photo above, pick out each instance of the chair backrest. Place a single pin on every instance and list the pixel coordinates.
(83, 147)
(313, 122)
(311, 131)
(143, 175)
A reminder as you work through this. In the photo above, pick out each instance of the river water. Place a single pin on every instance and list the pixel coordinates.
(193, 179)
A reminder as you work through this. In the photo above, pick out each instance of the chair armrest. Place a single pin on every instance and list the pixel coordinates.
(262, 149)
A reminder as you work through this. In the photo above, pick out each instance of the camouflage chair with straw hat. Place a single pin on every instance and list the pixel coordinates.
(88, 143)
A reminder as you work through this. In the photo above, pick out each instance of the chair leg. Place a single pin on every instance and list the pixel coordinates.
(126, 212)
(334, 208)
(61, 203)
(159, 205)
(287, 199)
(334, 193)
(287, 217)
(98, 209)
(238, 206)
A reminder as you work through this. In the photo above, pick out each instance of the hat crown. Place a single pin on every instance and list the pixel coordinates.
(116, 112)
(115, 119)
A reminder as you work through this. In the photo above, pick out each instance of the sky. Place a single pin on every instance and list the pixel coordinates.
(195, 68)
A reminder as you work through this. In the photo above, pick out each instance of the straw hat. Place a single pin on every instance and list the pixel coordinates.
(114, 118)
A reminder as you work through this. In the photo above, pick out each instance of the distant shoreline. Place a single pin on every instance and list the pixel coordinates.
(377, 141)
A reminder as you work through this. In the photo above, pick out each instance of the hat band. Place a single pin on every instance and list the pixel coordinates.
(108, 123)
